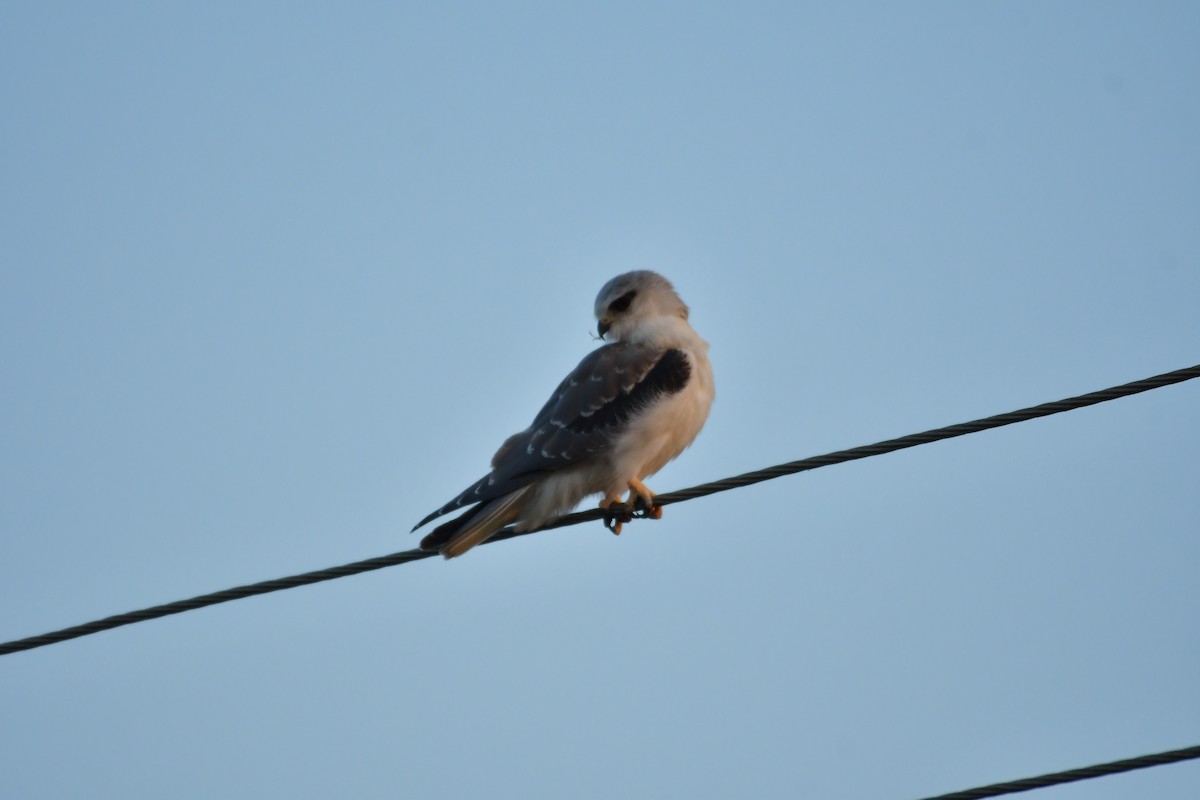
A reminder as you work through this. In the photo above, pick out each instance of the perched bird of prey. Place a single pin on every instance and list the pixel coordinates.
(630, 406)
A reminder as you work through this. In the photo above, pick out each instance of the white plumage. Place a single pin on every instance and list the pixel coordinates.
(630, 407)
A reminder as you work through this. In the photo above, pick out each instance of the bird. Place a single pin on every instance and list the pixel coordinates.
(631, 405)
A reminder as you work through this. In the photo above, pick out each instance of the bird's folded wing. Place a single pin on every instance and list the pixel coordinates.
(588, 410)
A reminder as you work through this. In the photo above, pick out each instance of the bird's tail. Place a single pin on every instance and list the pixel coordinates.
(481, 523)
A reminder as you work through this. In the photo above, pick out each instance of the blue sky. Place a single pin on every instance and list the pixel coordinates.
(276, 279)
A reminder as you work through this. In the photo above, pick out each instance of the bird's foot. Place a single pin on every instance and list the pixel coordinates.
(641, 505)
(642, 500)
(616, 513)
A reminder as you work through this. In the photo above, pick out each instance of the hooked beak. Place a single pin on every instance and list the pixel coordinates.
(602, 326)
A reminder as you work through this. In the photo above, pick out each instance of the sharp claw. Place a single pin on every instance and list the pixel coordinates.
(616, 516)
(643, 502)
(641, 505)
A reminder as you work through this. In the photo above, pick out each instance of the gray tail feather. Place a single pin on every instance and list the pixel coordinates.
(475, 527)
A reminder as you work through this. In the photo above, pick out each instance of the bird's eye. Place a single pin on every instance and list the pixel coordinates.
(621, 304)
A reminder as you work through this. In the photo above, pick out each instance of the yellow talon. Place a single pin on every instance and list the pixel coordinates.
(646, 498)
(616, 513)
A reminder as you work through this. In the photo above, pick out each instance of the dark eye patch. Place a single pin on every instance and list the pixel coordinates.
(621, 304)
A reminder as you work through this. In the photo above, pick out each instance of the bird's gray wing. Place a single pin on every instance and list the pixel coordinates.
(586, 412)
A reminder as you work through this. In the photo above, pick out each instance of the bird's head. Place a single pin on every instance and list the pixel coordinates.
(634, 303)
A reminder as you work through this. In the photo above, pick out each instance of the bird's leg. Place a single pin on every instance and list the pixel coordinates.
(643, 498)
(616, 513)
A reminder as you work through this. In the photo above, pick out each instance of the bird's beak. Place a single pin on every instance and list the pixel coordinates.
(602, 326)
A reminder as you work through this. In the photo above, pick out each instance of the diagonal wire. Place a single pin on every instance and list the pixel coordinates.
(1072, 775)
(737, 481)
(912, 440)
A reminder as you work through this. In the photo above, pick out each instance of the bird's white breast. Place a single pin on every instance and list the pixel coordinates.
(671, 423)
(659, 433)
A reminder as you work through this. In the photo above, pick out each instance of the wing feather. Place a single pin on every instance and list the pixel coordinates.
(590, 407)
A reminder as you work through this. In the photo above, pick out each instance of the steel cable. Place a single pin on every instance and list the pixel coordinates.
(1072, 775)
(737, 481)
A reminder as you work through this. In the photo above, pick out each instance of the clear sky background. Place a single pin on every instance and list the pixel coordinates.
(277, 278)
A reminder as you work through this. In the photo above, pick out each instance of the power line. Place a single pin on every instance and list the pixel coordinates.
(912, 440)
(737, 481)
(1072, 775)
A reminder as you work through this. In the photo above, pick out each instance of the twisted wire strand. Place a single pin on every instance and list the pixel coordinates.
(737, 481)
(1072, 775)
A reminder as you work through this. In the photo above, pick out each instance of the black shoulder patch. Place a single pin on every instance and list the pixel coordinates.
(668, 376)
